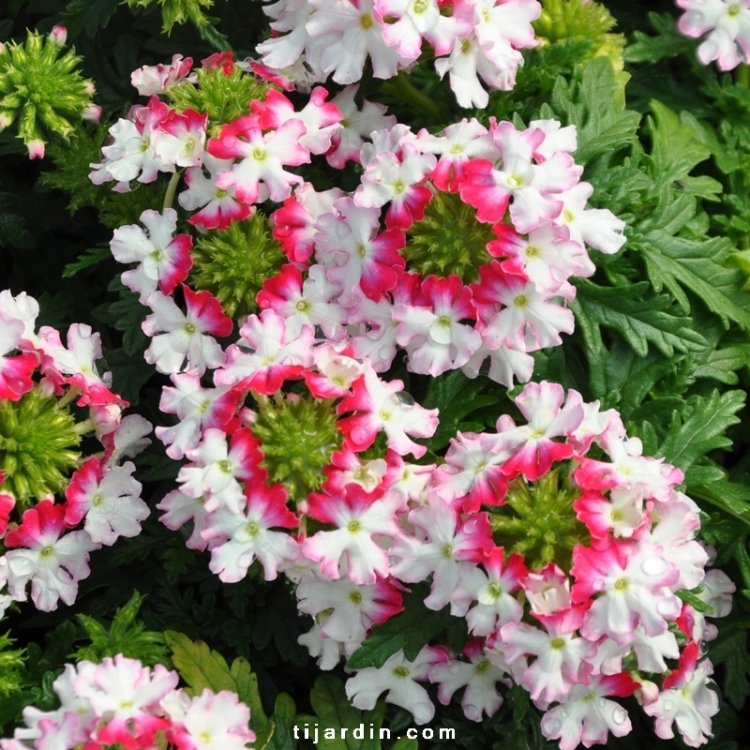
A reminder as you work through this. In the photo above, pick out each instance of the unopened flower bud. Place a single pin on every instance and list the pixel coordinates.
(36, 148)
(92, 112)
(58, 35)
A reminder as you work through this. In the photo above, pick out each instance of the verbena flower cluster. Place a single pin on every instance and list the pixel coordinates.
(473, 41)
(66, 487)
(482, 230)
(121, 703)
(566, 567)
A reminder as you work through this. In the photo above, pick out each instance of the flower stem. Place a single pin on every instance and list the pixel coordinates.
(171, 190)
(743, 75)
(409, 93)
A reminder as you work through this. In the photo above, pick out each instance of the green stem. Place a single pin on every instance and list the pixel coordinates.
(171, 190)
(82, 428)
(743, 75)
(72, 394)
(409, 93)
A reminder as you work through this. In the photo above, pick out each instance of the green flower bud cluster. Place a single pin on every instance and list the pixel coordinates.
(38, 441)
(126, 635)
(222, 97)
(582, 19)
(538, 520)
(233, 264)
(41, 90)
(11, 661)
(449, 240)
(177, 11)
(298, 436)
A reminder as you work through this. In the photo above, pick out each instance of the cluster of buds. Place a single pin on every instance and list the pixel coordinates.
(574, 574)
(728, 25)
(121, 703)
(41, 89)
(471, 39)
(51, 397)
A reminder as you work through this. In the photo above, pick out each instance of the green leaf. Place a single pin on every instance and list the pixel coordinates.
(676, 148)
(457, 397)
(90, 15)
(127, 315)
(203, 668)
(129, 373)
(405, 744)
(590, 102)
(731, 650)
(125, 636)
(283, 720)
(640, 320)
(720, 364)
(731, 497)
(676, 262)
(409, 631)
(334, 711)
(630, 378)
(670, 42)
(198, 665)
(695, 601)
(13, 232)
(701, 427)
(92, 257)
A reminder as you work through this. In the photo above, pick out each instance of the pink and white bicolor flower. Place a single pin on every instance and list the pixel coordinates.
(561, 656)
(728, 24)
(125, 694)
(177, 336)
(269, 352)
(263, 158)
(163, 259)
(197, 409)
(75, 365)
(356, 255)
(431, 330)
(478, 675)
(218, 206)
(109, 500)
(40, 553)
(495, 605)
(398, 676)
(587, 715)
(217, 470)
(236, 539)
(15, 371)
(378, 405)
(534, 188)
(632, 584)
(449, 549)
(351, 608)
(534, 449)
(360, 518)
